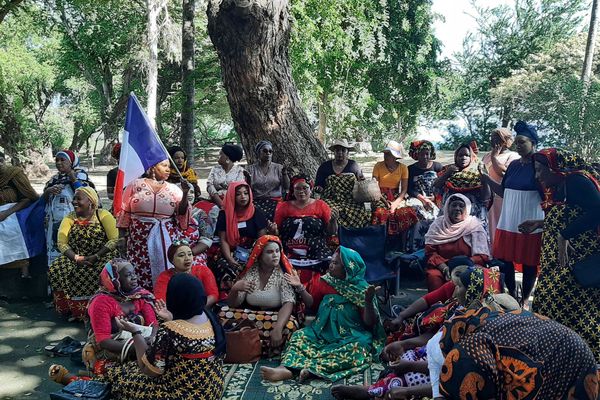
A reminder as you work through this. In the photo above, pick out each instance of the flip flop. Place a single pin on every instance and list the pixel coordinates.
(65, 347)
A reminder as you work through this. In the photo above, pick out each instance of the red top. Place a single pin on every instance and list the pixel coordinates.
(318, 289)
(104, 308)
(441, 253)
(318, 209)
(201, 272)
(441, 294)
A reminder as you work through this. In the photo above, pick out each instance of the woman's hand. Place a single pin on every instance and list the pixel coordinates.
(530, 226)
(398, 393)
(53, 190)
(90, 260)
(563, 250)
(293, 279)
(392, 351)
(233, 263)
(445, 269)
(125, 325)
(370, 294)
(185, 187)
(392, 325)
(496, 150)
(72, 175)
(401, 366)
(451, 170)
(3, 215)
(272, 228)
(160, 307)
(276, 337)
(243, 286)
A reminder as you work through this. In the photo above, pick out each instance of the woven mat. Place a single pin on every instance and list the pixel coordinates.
(243, 381)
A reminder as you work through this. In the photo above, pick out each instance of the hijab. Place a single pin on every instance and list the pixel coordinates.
(91, 194)
(353, 287)
(233, 216)
(257, 251)
(443, 230)
(186, 298)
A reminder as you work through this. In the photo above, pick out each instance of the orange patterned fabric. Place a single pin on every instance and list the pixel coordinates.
(257, 250)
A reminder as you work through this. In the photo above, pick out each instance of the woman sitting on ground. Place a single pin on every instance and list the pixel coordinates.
(185, 360)
(181, 255)
(227, 171)
(464, 177)
(264, 285)
(268, 179)
(347, 333)
(455, 233)
(119, 297)
(179, 156)
(421, 197)
(493, 354)
(304, 224)
(87, 239)
(16, 194)
(239, 224)
(392, 177)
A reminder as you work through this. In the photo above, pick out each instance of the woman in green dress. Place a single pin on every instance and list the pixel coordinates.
(347, 333)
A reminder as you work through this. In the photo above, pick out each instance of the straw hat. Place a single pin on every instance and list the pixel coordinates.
(341, 143)
(397, 149)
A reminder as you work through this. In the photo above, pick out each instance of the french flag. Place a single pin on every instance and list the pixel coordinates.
(141, 149)
(21, 235)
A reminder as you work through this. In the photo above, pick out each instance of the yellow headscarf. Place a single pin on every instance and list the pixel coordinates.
(91, 194)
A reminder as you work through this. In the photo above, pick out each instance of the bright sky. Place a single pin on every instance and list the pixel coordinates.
(458, 21)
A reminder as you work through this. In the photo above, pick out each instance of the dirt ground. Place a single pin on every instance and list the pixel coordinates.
(27, 326)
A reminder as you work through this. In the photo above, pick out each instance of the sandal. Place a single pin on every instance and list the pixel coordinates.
(59, 374)
(65, 347)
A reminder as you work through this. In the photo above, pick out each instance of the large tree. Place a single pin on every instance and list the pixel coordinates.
(252, 39)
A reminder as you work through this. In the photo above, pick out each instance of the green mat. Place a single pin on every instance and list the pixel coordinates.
(243, 381)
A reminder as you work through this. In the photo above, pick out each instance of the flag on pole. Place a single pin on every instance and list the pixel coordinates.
(141, 149)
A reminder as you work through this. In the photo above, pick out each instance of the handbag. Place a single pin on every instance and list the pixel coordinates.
(243, 343)
(587, 271)
(83, 390)
(366, 191)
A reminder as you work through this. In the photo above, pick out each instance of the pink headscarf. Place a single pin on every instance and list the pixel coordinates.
(470, 229)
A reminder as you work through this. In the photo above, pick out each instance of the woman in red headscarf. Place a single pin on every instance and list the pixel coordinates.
(239, 224)
(265, 287)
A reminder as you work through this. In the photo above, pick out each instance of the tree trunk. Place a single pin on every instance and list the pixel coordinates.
(187, 78)
(322, 104)
(589, 48)
(252, 38)
(153, 8)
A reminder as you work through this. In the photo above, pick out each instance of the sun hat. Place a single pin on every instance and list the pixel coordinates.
(397, 149)
(341, 143)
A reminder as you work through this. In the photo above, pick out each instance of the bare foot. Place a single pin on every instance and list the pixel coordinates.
(354, 392)
(304, 375)
(280, 373)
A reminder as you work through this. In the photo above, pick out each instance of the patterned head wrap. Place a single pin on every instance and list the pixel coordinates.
(524, 129)
(91, 194)
(69, 156)
(186, 171)
(505, 136)
(260, 145)
(297, 179)
(418, 145)
(257, 250)
(109, 282)
(480, 283)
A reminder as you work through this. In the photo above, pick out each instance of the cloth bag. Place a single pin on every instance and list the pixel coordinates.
(366, 191)
(587, 271)
(243, 343)
(83, 390)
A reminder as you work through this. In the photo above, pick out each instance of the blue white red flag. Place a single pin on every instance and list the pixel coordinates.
(141, 149)
(21, 234)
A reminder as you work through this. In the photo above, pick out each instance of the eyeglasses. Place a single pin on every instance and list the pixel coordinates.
(181, 242)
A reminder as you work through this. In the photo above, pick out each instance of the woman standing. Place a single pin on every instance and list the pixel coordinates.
(179, 156)
(519, 190)
(59, 192)
(496, 162)
(154, 213)
(572, 205)
(463, 177)
(268, 179)
(227, 171)
(87, 239)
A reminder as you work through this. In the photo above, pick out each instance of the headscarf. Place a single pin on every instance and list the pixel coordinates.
(564, 163)
(91, 194)
(418, 145)
(524, 129)
(233, 151)
(473, 151)
(480, 283)
(260, 145)
(187, 172)
(69, 156)
(186, 298)
(257, 250)
(467, 179)
(442, 230)
(233, 216)
(505, 136)
(116, 151)
(296, 179)
(109, 283)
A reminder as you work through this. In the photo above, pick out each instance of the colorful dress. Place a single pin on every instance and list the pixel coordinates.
(516, 355)
(73, 285)
(338, 344)
(505, 158)
(182, 356)
(338, 194)
(152, 220)
(521, 203)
